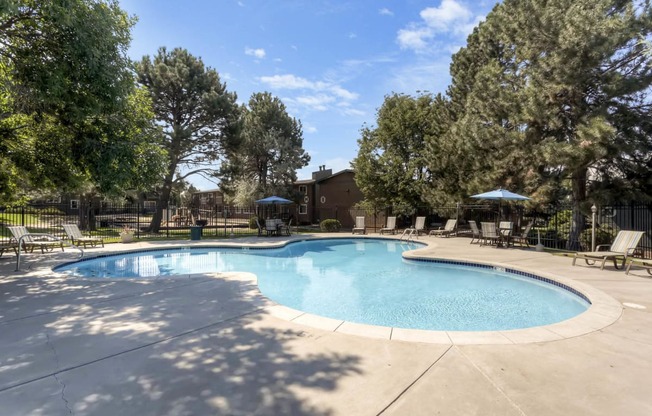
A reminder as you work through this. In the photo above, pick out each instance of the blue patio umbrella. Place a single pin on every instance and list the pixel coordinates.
(501, 194)
(274, 200)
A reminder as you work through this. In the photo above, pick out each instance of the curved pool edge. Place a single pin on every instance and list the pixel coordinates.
(603, 312)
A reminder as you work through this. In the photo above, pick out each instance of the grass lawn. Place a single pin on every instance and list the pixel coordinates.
(14, 218)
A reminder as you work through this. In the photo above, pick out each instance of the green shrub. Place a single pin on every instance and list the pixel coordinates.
(603, 235)
(330, 225)
(252, 223)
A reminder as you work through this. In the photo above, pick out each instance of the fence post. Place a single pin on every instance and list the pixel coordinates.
(22, 216)
(138, 220)
(594, 209)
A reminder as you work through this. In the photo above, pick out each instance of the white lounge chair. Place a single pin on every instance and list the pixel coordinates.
(645, 263)
(390, 227)
(623, 246)
(359, 226)
(420, 225)
(30, 242)
(77, 238)
(448, 229)
(8, 245)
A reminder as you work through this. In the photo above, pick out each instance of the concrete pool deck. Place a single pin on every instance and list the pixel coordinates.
(212, 344)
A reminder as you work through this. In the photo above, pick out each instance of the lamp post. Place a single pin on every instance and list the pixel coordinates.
(594, 209)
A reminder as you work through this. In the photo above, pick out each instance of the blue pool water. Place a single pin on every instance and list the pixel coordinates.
(365, 281)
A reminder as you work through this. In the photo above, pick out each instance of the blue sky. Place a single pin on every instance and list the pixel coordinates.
(330, 62)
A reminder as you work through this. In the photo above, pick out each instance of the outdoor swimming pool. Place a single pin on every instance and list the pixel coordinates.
(365, 281)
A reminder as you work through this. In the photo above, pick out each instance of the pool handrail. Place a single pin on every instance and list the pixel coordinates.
(55, 238)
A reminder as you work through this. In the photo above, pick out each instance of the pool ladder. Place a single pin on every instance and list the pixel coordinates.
(50, 238)
(409, 233)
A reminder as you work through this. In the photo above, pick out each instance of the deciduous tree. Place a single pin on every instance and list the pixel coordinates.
(69, 113)
(390, 167)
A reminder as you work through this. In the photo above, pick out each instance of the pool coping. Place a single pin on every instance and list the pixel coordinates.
(603, 311)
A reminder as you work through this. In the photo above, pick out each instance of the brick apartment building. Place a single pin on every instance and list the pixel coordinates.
(328, 195)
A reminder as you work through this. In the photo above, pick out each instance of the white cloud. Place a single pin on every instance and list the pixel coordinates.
(385, 12)
(287, 81)
(343, 93)
(447, 14)
(451, 17)
(325, 94)
(352, 35)
(258, 53)
(316, 102)
(414, 37)
(309, 129)
(354, 112)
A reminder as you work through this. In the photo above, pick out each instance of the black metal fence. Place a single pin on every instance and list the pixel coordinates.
(109, 220)
(552, 225)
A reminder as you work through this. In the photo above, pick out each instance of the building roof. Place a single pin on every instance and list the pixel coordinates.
(336, 174)
(208, 191)
(311, 181)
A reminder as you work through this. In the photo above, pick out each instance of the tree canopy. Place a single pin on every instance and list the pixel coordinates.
(390, 167)
(270, 152)
(69, 113)
(199, 117)
(548, 98)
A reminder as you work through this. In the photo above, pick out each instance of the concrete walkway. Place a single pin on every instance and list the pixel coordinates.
(212, 344)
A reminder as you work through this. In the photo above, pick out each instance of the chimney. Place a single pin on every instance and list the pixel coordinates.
(322, 173)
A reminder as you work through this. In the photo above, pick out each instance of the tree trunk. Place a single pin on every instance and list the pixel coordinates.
(578, 222)
(163, 199)
(84, 211)
(92, 213)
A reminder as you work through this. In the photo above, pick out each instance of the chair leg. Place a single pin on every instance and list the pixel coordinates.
(622, 266)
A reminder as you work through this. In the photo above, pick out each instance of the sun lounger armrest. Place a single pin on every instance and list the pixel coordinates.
(603, 247)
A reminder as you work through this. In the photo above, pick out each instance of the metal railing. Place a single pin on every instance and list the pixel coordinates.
(553, 223)
(22, 238)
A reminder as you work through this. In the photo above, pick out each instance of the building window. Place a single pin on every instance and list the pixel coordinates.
(74, 204)
(303, 209)
(56, 200)
(303, 189)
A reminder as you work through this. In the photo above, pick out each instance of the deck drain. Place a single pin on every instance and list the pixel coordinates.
(634, 305)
